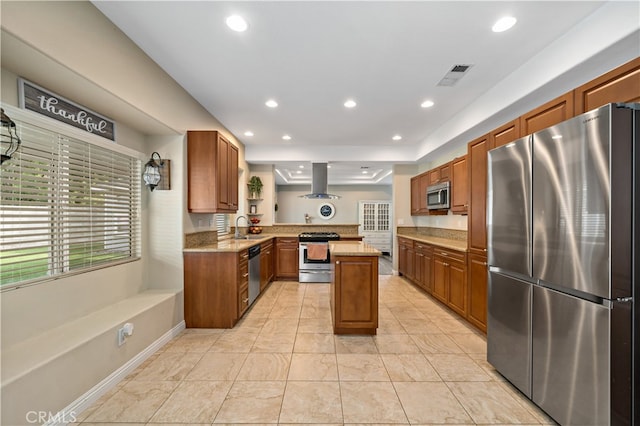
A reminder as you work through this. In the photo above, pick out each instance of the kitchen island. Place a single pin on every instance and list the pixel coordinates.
(354, 287)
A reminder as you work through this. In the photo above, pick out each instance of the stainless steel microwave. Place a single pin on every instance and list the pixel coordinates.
(438, 196)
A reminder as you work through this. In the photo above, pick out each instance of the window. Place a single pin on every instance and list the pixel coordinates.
(222, 224)
(66, 206)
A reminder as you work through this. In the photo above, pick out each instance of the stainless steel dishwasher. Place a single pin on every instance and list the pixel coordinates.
(254, 273)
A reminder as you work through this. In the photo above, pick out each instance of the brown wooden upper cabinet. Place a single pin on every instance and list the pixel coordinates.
(212, 173)
(619, 85)
(459, 186)
(419, 186)
(547, 115)
(477, 163)
(505, 134)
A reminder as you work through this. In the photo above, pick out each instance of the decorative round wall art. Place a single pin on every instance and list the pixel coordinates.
(326, 210)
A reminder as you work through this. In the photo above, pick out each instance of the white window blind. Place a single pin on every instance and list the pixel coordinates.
(222, 224)
(66, 206)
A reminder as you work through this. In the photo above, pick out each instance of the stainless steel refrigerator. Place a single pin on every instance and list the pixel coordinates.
(562, 226)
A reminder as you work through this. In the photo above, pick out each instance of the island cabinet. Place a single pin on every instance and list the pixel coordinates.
(286, 259)
(450, 279)
(354, 294)
(266, 264)
(216, 288)
(212, 173)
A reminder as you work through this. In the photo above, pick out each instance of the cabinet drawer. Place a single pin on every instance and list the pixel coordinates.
(243, 273)
(450, 254)
(243, 299)
(423, 247)
(405, 242)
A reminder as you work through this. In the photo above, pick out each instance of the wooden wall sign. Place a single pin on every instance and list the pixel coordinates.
(37, 99)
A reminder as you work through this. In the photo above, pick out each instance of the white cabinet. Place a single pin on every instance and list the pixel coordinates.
(375, 224)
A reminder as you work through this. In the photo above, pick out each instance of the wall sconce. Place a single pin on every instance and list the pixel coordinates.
(151, 173)
(9, 140)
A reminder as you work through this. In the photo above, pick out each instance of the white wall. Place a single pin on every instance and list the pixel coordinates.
(291, 208)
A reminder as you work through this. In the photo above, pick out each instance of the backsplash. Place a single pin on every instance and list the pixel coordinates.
(199, 239)
(287, 229)
(451, 234)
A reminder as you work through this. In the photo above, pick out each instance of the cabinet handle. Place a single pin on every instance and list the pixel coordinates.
(443, 253)
(484, 263)
(245, 300)
(245, 275)
(245, 256)
(337, 262)
(484, 250)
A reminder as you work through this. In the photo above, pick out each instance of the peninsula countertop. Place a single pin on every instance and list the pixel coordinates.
(233, 245)
(438, 241)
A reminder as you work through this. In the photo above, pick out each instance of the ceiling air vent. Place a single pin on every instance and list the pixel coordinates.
(454, 75)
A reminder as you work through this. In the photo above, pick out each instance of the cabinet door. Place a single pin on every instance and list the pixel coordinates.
(547, 115)
(427, 270)
(287, 259)
(477, 162)
(619, 85)
(424, 183)
(505, 134)
(232, 178)
(417, 264)
(266, 265)
(402, 257)
(445, 172)
(411, 264)
(222, 172)
(434, 176)
(477, 283)
(415, 195)
(457, 294)
(460, 186)
(440, 278)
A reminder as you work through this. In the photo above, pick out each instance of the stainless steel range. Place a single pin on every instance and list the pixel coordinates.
(314, 256)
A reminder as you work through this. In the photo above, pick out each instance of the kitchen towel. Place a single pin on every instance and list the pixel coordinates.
(317, 251)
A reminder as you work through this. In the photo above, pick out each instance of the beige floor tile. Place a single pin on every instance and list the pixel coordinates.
(279, 326)
(470, 343)
(217, 366)
(361, 367)
(454, 325)
(193, 342)
(436, 344)
(409, 368)
(252, 402)
(234, 342)
(457, 368)
(355, 344)
(265, 366)
(407, 312)
(536, 411)
(371, 402)
(419, 326)
(311, 402)
(134, 402)
(169, 366)
(315, 325)
(274, 343)
(314, 343)
(193, 402)
(289, 311)
(429, 402)
(395, 344)
(490, 403)
(390, 326)
(490, 370)
(323, 312)
(318, 367)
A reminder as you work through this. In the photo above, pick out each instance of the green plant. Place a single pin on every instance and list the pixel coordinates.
(255, 186)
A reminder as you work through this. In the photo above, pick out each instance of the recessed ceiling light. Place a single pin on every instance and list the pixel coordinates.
(271, 103)
(286, 137)
(248, 133)
(298, 171)
(350, 103)
(396, 137)
(328, 166)
(427, 104)
(364, 172)
(301, 166)
(503, 24)
(237, 23)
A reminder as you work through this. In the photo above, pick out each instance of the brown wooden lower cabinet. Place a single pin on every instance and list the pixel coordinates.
(478, 275)
(216, 288)
(423, 269)
(266, 264)
(287, 258)
(354, 294)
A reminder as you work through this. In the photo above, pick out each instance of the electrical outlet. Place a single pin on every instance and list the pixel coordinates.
(124, 332)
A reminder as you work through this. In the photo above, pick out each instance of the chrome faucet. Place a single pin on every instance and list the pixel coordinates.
(237, 233)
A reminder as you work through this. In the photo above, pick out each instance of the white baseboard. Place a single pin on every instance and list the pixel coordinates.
(92, 395)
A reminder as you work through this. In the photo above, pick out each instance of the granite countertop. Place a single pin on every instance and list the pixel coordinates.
(352, 248)
(438, 241)
(232, 245)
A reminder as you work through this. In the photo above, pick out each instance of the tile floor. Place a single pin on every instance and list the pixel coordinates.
(282, 364)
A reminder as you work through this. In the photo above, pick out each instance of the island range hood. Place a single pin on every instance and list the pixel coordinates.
(319, 183)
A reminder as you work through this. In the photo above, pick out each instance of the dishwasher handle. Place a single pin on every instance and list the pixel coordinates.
(254, 251)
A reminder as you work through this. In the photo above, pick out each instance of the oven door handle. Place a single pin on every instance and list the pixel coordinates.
(314, 271)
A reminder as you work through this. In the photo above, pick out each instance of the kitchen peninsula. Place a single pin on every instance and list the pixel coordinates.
(354, 287)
